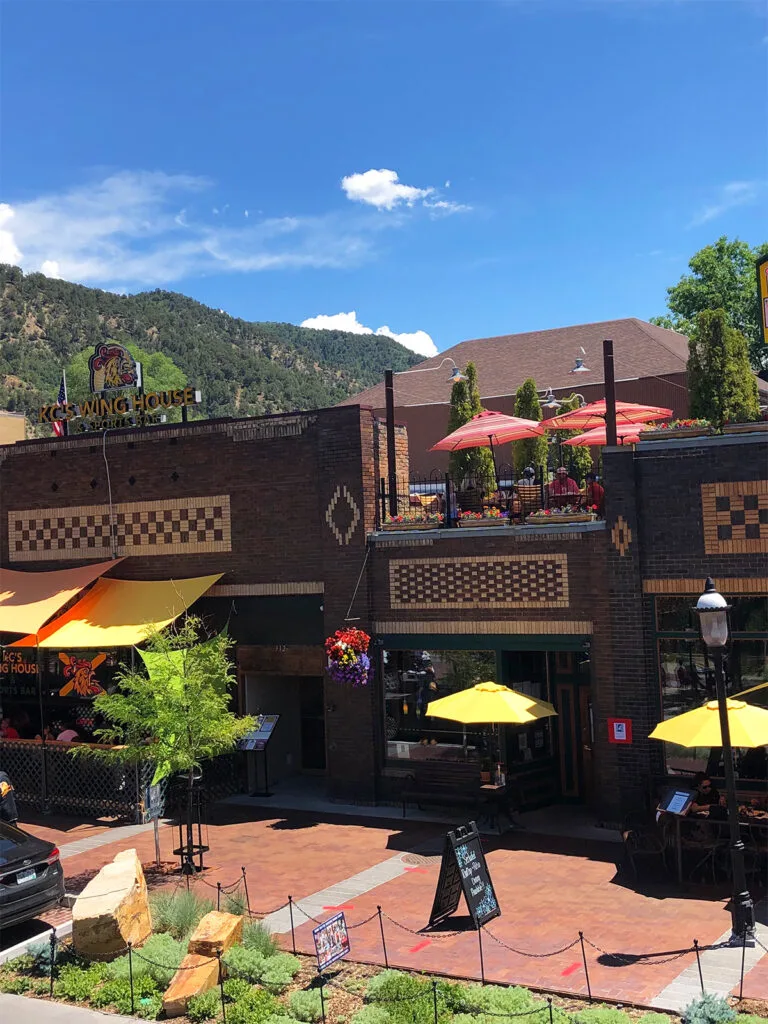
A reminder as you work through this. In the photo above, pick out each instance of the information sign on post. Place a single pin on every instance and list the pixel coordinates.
(258, 739)
(464, 870)
(331, 941)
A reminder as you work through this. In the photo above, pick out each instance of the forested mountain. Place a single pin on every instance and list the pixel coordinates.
(242, 368)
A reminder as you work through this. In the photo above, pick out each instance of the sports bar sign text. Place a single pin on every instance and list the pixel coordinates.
(120, 408)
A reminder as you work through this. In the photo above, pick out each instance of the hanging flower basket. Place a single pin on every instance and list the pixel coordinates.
(348, 660)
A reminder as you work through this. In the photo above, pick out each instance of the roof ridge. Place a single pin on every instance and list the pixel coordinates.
(643, 324)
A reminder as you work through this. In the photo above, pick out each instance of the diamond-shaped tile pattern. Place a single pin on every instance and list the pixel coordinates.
(515, 581)
(735, 516)
(175, 526)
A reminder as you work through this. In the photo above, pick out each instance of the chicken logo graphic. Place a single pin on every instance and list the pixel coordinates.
(80, 676)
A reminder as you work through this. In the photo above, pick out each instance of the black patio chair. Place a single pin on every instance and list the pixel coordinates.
(644, 846)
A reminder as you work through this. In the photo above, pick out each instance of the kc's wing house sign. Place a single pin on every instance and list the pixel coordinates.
(114, 374)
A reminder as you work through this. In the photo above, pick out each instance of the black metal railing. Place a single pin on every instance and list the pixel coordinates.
(440, 499)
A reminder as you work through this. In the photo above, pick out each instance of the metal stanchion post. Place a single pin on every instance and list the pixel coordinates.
(586, 969)
(383, 940)
(245, 887)
(130, 975)
(293, 932)
(434, 998)
(322, 999)
(743, 955)
(221, 988)
(698, 962)
(551, 1015)
(53, 957)
(482, 964)
(218, 895)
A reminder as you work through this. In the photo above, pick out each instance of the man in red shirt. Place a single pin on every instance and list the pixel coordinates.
(563, 490)
(594, 493)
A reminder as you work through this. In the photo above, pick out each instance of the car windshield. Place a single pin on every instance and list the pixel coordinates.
(11, 839)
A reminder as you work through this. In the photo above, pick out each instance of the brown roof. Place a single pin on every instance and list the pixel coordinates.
(503, 363)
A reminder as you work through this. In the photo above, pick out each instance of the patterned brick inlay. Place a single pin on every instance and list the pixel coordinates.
(512, 581)
(174, 526)
(735, 516)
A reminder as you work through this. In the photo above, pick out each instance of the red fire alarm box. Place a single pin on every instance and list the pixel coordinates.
(619, 730)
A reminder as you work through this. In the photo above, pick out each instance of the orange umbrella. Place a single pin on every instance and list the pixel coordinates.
(593, 415)
(488, 428)
(628, 433)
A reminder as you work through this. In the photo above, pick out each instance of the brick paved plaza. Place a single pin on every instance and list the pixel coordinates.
(549, 888)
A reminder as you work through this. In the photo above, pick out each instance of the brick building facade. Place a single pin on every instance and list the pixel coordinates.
(286, 508)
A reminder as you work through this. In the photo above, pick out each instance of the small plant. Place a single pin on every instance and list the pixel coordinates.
(27, 962)
(149, 1007)
(15, 986)
(655, 1018)
(177, 912)
(235, 988)
(258, 937)
(495, 999)
(206, 1006)
(601, 1015)
(254, 1008)
(165, 954)
(372, 1015)
(708, 1009)
(275, 979)
(280, 1019)
(235, 903)
(306, 1005)
(76, 983)
(117, 993)
(39, 986)
(245, 963)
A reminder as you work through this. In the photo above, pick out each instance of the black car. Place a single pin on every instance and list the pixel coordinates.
(31, 878)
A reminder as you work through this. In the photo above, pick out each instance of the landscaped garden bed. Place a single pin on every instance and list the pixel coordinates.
(265, 985)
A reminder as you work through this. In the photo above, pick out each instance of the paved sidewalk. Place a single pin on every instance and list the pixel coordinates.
(43, 1011)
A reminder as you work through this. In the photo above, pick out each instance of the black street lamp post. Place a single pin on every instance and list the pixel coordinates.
(712, 609)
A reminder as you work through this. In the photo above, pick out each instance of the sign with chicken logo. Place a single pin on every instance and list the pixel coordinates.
(112, 368)
(80, 676)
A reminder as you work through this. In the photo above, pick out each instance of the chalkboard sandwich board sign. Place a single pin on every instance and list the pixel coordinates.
(464, 870)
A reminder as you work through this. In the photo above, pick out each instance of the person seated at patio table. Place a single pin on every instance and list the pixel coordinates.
(706, 794)
(7, 731)
(528, 477)
(563, 490)
(68, 734)
(594, 493)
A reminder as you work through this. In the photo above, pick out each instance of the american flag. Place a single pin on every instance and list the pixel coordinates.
(60, 426)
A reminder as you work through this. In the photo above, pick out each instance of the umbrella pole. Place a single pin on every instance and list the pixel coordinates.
(493, 456)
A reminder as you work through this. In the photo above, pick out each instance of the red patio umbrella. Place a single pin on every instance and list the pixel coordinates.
(593, 415)
(488, 428)
(629, 433)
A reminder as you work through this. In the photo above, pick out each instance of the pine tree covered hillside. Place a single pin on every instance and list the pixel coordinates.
(242, 368)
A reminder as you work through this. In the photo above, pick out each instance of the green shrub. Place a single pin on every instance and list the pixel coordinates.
(284, 962)
(306, 1005)
(392, 985)
(15, 986)
(27, 962)
(495, 999)
(708, 1009)
(165, 954)
(280, 1019)
(205, 1007)
(149, 1007)
(258, 937)
(602, 1015)
(39, 986)
(749, 1018)
(654, 1018)
(76, 983)
(177, 912)
(275, 980)
(235, 903)
(235, 988)
(117, 993)
(254, 1008)
(245, 963)
(408, 1000)
(371, 1015)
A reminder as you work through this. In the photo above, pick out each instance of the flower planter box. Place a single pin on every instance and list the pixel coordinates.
(746, 428)
(396, 527)
(491, 521)
(656, 435)
(555, 519)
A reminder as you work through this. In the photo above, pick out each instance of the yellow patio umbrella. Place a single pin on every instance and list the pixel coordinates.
(701, 727)
(490, 704)
(760, 686)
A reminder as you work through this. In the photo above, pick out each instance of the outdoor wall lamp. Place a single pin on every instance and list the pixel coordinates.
(549, 401)
(579, 367)
(712, 609)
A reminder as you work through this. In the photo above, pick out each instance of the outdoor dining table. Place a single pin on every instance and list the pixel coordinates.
(757, 820)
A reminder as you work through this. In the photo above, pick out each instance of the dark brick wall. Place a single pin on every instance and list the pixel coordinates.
(282, 474)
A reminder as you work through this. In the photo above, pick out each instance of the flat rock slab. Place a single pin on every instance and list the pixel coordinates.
(196, 974)
(112, 910)
(216, 932)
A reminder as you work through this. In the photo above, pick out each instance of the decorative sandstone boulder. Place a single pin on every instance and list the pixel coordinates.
(112, 910)
(199, 970)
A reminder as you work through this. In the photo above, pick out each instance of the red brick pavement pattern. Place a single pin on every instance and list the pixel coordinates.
(61, 830)
(756, 981)
(545, 898)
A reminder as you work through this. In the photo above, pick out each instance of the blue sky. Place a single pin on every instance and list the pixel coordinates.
(459, 169)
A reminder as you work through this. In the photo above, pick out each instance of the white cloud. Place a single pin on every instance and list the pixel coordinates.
(9, 251)
(129, 229)
(383, 190)
(735, 193)
(417, 341)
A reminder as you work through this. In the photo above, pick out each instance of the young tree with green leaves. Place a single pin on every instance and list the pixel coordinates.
(532, 451)
(579, 458)
(721, 384)
(175, 711)
(466, 403)
(724, 277)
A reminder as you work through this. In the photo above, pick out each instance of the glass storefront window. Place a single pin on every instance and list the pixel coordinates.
(747, 615)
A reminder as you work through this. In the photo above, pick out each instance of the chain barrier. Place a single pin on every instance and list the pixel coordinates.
(414, 931)
(533, 956)
(628, 959)
(351, 927)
